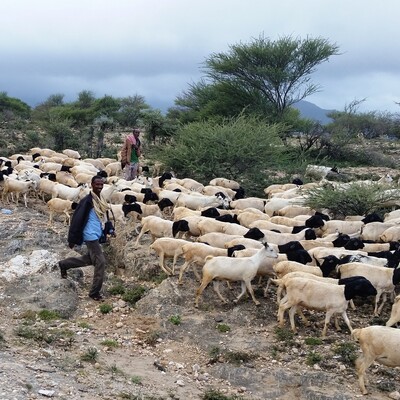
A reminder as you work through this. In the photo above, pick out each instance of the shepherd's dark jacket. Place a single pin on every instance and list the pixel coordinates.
(79, 220)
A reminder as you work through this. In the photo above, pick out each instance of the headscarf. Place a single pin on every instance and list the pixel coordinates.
(132, 140)
(100, 206)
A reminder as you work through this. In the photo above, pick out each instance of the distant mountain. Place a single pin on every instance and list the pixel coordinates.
(312, 111)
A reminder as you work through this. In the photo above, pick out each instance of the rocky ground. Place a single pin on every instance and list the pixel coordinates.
(162, 347)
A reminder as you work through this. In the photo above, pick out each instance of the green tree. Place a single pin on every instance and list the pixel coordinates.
(11, 108)
(157, 126)
(279, 71)
(242, 148)
(130, 110)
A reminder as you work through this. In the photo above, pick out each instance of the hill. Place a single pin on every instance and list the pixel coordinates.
(312, 111)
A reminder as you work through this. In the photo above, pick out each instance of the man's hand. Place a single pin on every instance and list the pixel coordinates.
(71, 245)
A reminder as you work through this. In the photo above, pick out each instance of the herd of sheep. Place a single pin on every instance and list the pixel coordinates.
(316, 263)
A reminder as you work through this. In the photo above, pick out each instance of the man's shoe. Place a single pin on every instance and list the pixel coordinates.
(96, 297)
(63, 271)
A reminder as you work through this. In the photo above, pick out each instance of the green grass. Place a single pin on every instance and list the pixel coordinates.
(90, 355)
(223, 328)
(48, 315)
(312, 341)
(109, 343)
(313, 358)
(105, 308)
(133, 295)
(347, 352)
(213, 394)
(175, 319)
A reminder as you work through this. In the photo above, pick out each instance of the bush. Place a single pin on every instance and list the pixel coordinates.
(355, 199)
(347, 352)
(133, 295)
(105, 308)
(243, 147)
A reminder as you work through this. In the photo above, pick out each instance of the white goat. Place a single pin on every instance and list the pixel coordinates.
(378, 343)
(234, 269)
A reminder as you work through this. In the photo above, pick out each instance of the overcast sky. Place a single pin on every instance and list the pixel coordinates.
(155, 48)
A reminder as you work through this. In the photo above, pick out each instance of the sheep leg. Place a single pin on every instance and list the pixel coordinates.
(247, 285)
(362, 363)
(377, 298)
(242, 293)
(292, 311)
(384, 298)
(206, 280)
(328, 316)
(174, 263)
(283, 306)
(216, 289)
(184, 267)
(351, 302)
(163, 266)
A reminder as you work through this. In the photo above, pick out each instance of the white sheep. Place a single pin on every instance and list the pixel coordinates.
(394, 313)
(68, 193)
(378, 343)
(226, 183)
(17, 187)
(253, 202)
(72, 153)
(197, 201)
(158, 227)
(61, 206)
(382, 278)
(168, 248)
(322, 296)
(196, 253)
(373, 230)
(318, 172)
(234, 269)
(246, 218)
(217, 239)
(66, 179)
(391, 234)
(344, 227)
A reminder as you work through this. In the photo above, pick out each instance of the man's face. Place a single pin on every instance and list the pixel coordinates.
(97, 186)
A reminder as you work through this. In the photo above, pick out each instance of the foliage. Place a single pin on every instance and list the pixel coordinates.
(347, 352)
(105, 308)
(238, 357)
(137, 380)
(48, 315)
(284, 335)
(241, 149)
(91, 355)
(265, 75)
(134, 294)
(157, 126)
(131, 108)
(109, 343)
(313, 358)
(11, 108)
(311, 341)
(117, 288)
(212, 394)
(223, 328)
(175, 319)
(352, 199)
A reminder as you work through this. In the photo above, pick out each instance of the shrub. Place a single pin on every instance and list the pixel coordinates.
(135, 294)
(105, 308)
(109, 343)
(238, 147)
(313, 358)
(117, 288)
(347, 352)
(284, 335)
(217, 395)
(313, 341)
(48, 315)
(355, 199)
(223, 328)
(175, 319)
(91, 355)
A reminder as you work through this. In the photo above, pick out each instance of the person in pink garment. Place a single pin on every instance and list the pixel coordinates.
(130, 153)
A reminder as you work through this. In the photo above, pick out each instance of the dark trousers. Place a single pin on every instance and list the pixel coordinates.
(94, 257)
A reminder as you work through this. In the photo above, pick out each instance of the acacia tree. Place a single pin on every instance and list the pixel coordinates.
(276, 72)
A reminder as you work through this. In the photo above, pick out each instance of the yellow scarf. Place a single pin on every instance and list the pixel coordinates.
(100, 206)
